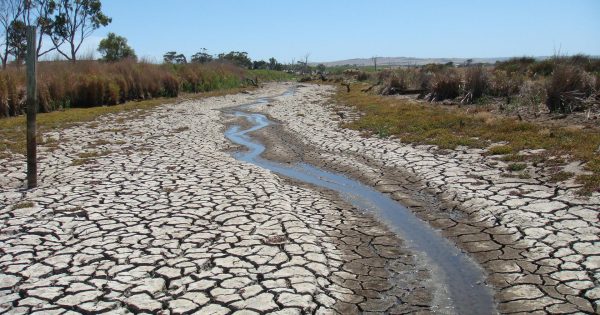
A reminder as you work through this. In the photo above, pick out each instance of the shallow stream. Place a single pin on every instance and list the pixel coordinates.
(461, 282)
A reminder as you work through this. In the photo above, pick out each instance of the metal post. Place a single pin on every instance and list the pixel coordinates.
(32, 106)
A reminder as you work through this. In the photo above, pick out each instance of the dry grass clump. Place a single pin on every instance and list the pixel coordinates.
(569, 88)
(476, 83)
(531, 95)
(444, 85)
(11, 95)
(570, 83)
(403, 80)
(500, 150)
(503, 84)
(23, 205)
(363, 76)
(395, 83)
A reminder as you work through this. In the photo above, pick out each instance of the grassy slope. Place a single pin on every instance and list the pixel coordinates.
(449, 127)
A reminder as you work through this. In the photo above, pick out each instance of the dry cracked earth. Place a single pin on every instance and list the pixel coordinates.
(151, 214)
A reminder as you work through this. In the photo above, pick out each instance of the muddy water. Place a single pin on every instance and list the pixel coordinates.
(460, 279)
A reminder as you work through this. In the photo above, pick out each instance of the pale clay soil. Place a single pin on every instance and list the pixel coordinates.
(165, 220)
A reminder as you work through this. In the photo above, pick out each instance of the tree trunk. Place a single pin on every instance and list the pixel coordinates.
(73, 53)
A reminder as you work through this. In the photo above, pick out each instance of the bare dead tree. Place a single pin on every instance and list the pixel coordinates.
(306, 62)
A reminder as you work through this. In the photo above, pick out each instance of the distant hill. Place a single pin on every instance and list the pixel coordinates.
(410, 61)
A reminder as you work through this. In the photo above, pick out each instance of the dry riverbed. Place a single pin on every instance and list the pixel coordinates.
(539, 242)
(154, 215)
(157, 216)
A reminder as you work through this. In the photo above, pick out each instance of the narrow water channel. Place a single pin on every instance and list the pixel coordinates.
(460, 278)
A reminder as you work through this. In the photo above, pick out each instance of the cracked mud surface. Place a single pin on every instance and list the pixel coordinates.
(539, 242)
(161, 219)
(164, 220)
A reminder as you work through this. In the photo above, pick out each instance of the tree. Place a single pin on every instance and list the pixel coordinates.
(40, 13)
(115, 48)
(17, 41)
(174, 57)
(305, 68)
(274, 65)
(201, 57)
(75, 21)
(10, 10)
(260, 64)
(239, 58)
(15, 15)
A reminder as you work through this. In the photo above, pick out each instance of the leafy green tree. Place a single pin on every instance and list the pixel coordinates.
(272, 63)
(169, 57)
(202, 57)
(17, 40)
(114, 48)
(75, 21)
(239, 58)
(10, 10)
(260, 64)
(174, 58)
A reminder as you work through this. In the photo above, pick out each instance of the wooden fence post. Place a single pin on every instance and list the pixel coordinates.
(32, 107)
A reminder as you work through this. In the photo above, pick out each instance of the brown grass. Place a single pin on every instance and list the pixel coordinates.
(445, 85)
(476, 83)
(568, 86)
(63, 85)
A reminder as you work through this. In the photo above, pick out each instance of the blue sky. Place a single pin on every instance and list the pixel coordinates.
(341, 29)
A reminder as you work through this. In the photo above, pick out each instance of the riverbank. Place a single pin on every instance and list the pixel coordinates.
(538, 242)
